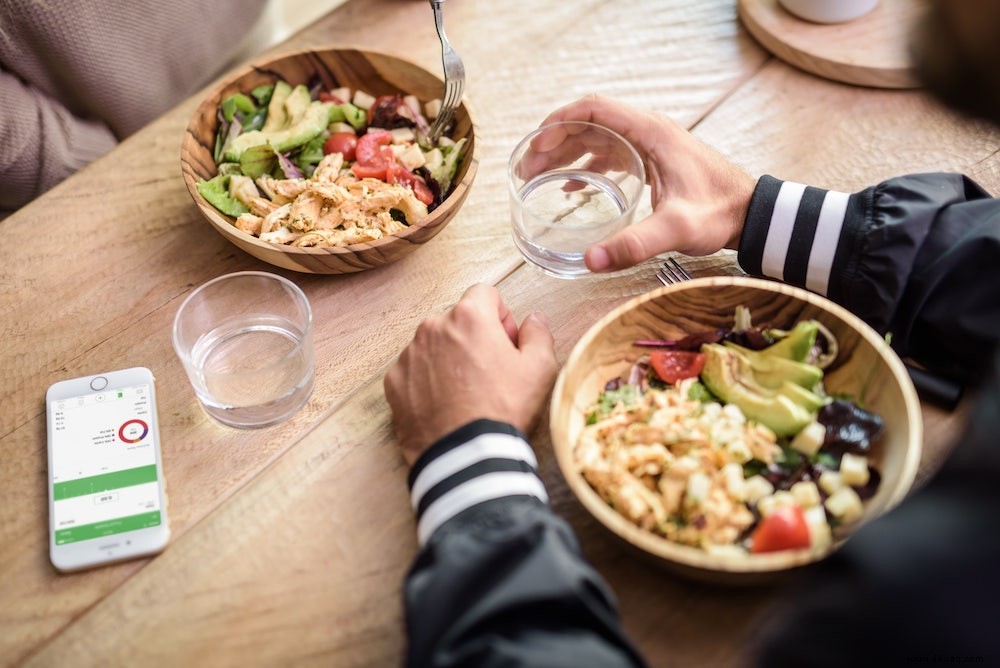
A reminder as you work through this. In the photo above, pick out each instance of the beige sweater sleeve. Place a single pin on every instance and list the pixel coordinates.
(77, 77)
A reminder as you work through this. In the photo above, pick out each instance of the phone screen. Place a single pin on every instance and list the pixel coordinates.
(104, 468)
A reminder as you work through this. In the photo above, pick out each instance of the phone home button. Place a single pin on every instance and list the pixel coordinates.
(98, 383)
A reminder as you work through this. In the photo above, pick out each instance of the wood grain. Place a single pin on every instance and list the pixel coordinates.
(289, 543)
(872, 50)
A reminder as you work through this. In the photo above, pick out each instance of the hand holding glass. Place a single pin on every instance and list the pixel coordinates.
(571, 185)
(246, 343)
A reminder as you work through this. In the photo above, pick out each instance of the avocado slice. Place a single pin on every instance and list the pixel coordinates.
(773, 370)
(797, 344)
(277, 118)
(729, 375)
(311, 124)
(296, 104)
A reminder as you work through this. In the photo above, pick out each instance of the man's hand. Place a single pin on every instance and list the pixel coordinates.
(472, 362)
(699, 198)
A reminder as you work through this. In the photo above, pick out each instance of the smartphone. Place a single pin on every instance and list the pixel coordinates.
(107, 501)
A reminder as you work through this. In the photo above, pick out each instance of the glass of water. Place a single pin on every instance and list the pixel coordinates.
(246, 343)
(571, 184)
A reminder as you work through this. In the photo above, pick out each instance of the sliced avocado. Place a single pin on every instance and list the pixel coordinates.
(313, 122)
(729, 376)
(773, 370)
(811, 401)
(277, 118)
(296, 104)
(797, 344)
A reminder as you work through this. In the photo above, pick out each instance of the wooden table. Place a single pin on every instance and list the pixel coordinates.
(290, 543)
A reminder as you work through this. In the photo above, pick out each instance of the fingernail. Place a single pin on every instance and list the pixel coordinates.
(597, 258)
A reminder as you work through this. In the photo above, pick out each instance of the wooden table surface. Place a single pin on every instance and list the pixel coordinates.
(289, 544)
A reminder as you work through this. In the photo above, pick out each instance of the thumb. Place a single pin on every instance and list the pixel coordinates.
(535, 340)
(636, 243)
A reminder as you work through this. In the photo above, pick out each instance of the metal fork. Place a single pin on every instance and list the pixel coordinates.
(454, 77)
(671, 272)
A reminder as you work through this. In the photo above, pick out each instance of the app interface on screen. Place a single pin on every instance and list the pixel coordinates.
(104, 464)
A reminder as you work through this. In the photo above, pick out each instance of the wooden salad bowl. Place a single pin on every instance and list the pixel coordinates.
(866, 370)
(375, 73)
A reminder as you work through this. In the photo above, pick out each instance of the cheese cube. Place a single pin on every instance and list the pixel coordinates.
(779, 499)
(732, 479)
(806, 494)
(432, 108)
(830, 481)
(756, 488)
(362, 99)
(845, 505)
(854, 470)
(820, 533)
(810, 439)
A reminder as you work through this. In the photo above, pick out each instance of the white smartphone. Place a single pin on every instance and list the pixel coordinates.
(106, 495)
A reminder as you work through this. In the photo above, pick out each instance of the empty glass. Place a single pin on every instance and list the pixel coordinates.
(245, 340)
(571, 184)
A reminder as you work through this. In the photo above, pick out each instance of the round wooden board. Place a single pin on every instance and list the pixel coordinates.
(872, 50)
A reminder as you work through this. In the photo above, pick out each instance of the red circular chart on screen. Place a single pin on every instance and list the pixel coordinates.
(133, 431)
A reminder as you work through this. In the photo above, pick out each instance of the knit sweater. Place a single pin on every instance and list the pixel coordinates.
(77, 77)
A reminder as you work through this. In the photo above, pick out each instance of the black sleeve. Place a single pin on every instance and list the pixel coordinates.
(500, 580)
(915, 256)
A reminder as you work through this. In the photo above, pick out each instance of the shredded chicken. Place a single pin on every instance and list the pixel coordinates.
(333, 208)
(660, 463)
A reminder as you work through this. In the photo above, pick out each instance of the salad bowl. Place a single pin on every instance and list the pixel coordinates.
(377, 75)
(865, 369)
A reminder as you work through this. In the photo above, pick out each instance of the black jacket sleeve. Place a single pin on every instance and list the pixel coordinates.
(500, 580)
(911, 256)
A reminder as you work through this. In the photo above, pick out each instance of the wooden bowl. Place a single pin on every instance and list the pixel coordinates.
(865, 366)
(375, 73)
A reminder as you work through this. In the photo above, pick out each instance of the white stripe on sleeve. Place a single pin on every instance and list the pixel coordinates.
(482, 447)
(479, 489)
(779, 232)
(828, 228)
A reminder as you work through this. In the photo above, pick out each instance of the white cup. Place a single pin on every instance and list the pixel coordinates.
(829, 11)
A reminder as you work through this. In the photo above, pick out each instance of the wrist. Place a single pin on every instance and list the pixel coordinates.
(481, 461)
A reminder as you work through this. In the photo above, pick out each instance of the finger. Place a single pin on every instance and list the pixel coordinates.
(647, 238)
(536, 341)
(488, 298)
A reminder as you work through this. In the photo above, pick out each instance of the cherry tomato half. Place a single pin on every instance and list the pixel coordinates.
(399, 174)
(674, 365)
(784, 529)
(370, 145)
(341, 142)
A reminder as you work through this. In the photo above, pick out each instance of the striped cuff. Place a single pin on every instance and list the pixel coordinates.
(796, 233)
(482, 461)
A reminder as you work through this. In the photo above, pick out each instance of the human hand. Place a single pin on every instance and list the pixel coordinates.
(699, 198)
(469, 363)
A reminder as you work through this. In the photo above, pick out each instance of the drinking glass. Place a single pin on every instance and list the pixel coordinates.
(571, 184)
(245, 340)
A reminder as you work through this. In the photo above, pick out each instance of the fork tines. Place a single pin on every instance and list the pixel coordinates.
(454, 77)
(672, 272)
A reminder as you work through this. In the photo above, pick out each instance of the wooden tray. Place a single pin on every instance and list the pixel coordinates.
(872, 50)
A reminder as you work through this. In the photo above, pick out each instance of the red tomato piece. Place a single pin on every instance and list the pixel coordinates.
(370, 146)
(784, 529)
(327, 96)
(674, 365)
(399, 174)
(344, 143)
